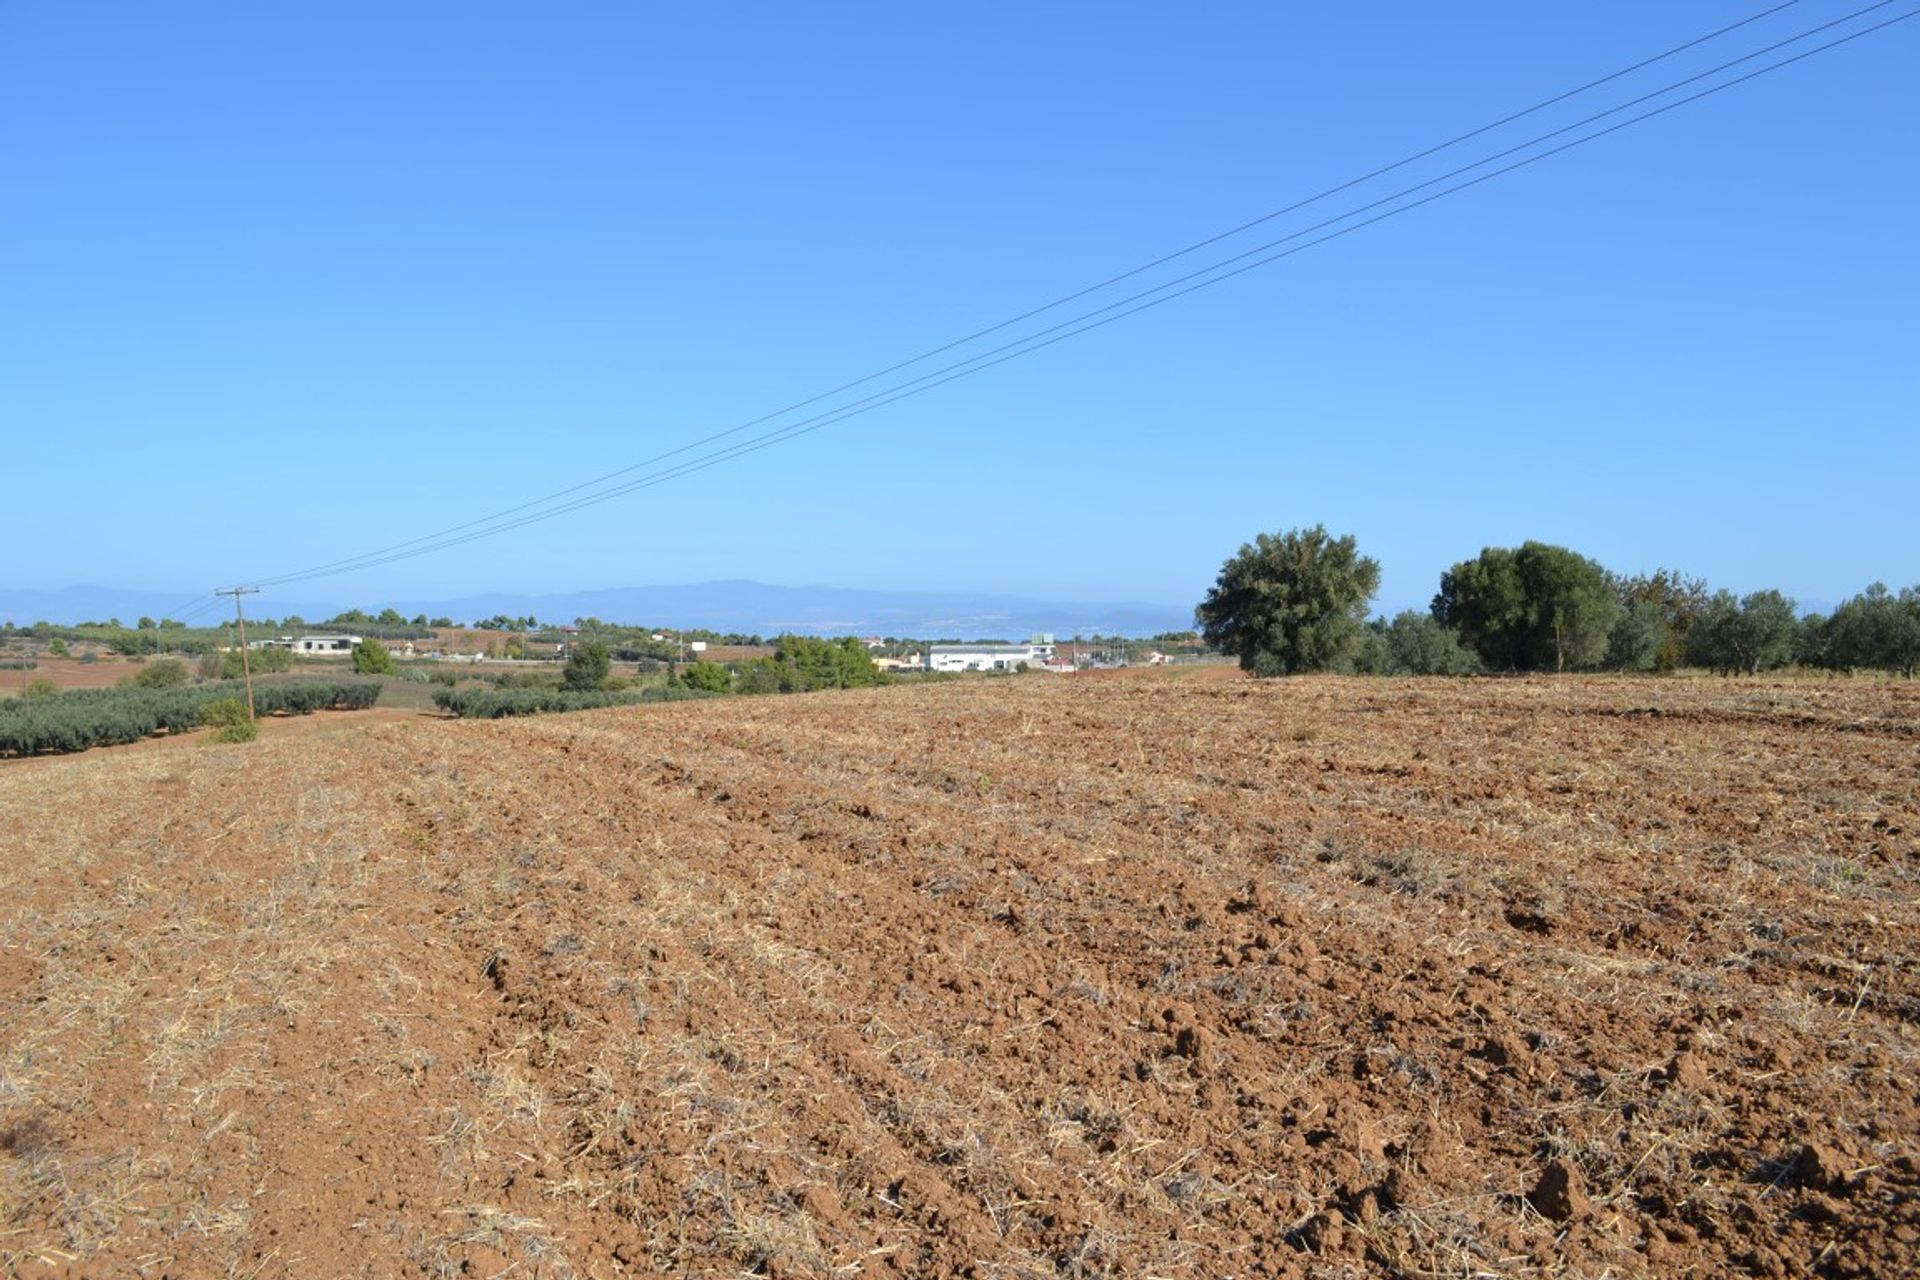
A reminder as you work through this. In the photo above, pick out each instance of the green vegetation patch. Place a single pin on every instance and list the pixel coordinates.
(493, 704)
(83, 718)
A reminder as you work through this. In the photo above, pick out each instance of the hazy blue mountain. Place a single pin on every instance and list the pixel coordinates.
(742, 606)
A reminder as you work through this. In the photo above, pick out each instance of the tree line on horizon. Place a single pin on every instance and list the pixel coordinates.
(1298, 602)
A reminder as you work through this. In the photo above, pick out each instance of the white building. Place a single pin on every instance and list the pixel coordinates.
(312, 646)
(988, 657)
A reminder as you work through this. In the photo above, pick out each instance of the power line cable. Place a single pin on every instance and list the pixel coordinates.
(1063, 300)
(1086, 322)
(783, 434)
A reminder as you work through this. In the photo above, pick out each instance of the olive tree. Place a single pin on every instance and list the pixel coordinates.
(1637, 638)
(1290, 602)
(1756, 633)
(1419, 646)
(1876, 629)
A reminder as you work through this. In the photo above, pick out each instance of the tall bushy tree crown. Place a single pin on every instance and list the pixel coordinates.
(1290, 602)
(1535, 608)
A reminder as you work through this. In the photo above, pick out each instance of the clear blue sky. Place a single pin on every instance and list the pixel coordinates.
(281, 283)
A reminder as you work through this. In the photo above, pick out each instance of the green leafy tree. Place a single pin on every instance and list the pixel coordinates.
(146, 624)
(1813, 646)
(1679, 601)
(370, 658)
(806, 663)
(801, 664)
(761, 675)
(391, 618)
(1747, 636)
(1291, 602)
(56, 648)
(587, 666)
(1537, 608)
(441, 622)
(1876, 629)
(708, 677)
(1485, 601)
(134, 644)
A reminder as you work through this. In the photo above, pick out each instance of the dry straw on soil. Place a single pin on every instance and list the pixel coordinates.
(1156, 975)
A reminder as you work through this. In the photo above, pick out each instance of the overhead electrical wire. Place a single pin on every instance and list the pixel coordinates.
(1215, 273)
(782, 434)
(1076, 295)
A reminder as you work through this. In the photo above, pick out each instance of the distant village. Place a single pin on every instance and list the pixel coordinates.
(1040, 652)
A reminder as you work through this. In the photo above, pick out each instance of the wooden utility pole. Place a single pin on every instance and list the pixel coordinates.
(240, 623)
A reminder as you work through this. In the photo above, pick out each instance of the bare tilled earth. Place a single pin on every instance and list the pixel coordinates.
(67, 673)
(1161, 975)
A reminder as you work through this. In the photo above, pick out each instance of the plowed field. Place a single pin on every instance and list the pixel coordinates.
(1152, 975)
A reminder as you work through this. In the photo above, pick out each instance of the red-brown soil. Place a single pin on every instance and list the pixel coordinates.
(1150, 975)
(68, 673)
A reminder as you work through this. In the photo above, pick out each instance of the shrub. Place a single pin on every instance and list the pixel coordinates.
(243, 731)
(587, 667)
(270, 660)
(370, 658)
(163, 673)
(57, 648)
(1413, 644)
(223, 713)
(88, 658)
(41, 688)
(707, 677)
(1419, 646)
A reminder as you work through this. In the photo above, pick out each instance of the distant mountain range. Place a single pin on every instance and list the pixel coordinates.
(732, 606)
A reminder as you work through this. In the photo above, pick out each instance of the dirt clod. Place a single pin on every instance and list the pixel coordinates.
(1687, 1071)
(1820, 1166)
(1561, 1192)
